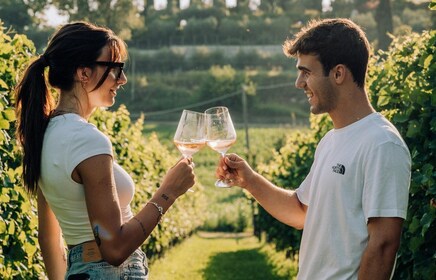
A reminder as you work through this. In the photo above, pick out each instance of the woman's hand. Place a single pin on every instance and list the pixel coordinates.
(179, 178)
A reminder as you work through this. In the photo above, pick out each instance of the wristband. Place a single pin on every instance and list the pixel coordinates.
(159, 209)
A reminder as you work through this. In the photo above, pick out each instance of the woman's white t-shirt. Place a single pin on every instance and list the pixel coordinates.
(69, 140)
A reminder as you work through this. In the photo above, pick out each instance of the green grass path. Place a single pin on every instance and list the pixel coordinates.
(215, 256)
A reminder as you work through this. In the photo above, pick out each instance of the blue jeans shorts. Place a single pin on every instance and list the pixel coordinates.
(134, 267)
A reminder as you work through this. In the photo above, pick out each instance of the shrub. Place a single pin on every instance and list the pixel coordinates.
(403, 86)
(19, 254)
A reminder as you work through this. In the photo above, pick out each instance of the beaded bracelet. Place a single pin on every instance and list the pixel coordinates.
(159, 209)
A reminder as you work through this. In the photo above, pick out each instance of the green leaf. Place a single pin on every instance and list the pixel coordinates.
(427, 61)
(4, 198)
(11, 228)
(29, 248)
(415, 243)
(401, 117)
(414, 225)
(413, 129)
(9, 114)
(426, 220)
(3, 84)
(2, 225)
(383, 98)
(4, 124)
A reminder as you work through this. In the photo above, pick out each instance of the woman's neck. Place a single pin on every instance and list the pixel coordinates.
(70, 103)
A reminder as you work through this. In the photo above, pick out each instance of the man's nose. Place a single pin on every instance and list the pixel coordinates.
(300, 82)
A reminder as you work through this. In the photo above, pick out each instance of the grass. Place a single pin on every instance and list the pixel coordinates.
(216, 256)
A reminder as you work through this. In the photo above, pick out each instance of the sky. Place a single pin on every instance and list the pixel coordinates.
(54, 19)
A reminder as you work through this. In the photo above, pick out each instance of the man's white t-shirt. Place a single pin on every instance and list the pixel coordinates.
(360, 171)
(69, 140)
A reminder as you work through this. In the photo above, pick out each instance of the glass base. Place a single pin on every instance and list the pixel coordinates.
(221, 184)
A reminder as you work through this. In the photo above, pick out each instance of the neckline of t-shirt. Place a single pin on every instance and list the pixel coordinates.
(72, 116)
(356, 124)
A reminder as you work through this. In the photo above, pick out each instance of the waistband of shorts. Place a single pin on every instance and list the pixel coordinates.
(87, 251)
(70, 247)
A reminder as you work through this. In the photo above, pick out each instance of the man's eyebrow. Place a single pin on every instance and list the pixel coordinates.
(302, 68)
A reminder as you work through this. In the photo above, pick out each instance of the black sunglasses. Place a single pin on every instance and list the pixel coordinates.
(118, 66)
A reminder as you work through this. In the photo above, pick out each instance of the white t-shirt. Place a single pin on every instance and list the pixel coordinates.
(360, 171)
(69, 140)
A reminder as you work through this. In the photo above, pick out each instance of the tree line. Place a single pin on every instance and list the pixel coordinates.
(212, 22)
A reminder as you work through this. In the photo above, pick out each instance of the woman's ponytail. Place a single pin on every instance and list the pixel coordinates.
(34, 104)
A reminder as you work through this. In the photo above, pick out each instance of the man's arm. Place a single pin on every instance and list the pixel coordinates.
(282, 204)
(379, 256)
(50, 240)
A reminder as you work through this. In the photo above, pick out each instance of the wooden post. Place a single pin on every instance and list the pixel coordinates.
(244, 116)
(133, 73)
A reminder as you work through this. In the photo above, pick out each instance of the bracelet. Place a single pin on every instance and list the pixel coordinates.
(142, 226)
(159, 209)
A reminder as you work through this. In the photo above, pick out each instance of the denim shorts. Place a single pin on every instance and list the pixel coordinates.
(134, 267)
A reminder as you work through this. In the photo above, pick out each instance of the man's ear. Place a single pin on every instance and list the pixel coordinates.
(339, 73)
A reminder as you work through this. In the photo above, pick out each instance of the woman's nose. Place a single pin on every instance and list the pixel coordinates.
(123, 79)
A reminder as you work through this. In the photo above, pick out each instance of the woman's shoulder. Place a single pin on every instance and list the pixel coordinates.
(76, 129)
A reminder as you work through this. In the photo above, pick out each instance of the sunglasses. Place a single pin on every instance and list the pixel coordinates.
(117, 66)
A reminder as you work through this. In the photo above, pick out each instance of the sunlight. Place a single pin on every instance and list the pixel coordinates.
(53, 17)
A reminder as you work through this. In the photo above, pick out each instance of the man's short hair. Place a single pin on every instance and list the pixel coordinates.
(334, 41)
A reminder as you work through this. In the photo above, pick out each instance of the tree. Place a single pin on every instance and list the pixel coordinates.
(173, 6)
(383, 17)
(148, 6)
(271, 6)
(313, 5)
(121, 16)
(15, 15)
(342, 8)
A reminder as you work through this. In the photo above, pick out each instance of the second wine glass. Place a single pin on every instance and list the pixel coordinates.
(220, 133)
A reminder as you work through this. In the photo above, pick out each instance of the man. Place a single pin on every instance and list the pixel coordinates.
(352, 204)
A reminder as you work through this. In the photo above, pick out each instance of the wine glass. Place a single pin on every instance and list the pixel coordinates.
(220, 133)
(190, 134)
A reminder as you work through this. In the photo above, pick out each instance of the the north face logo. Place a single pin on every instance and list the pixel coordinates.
(339, 168)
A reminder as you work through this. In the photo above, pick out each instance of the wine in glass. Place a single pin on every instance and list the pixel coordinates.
(220, 133)
(190, 133)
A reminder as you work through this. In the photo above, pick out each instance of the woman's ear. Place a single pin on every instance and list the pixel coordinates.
(83, 74)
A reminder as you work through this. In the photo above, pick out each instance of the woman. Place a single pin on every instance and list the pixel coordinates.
(83, 195)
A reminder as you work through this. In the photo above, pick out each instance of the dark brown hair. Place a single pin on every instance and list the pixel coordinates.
(74, 45)
(334, 41)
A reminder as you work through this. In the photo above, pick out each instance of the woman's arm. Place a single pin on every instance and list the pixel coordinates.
(116, 240)
(50, 240)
